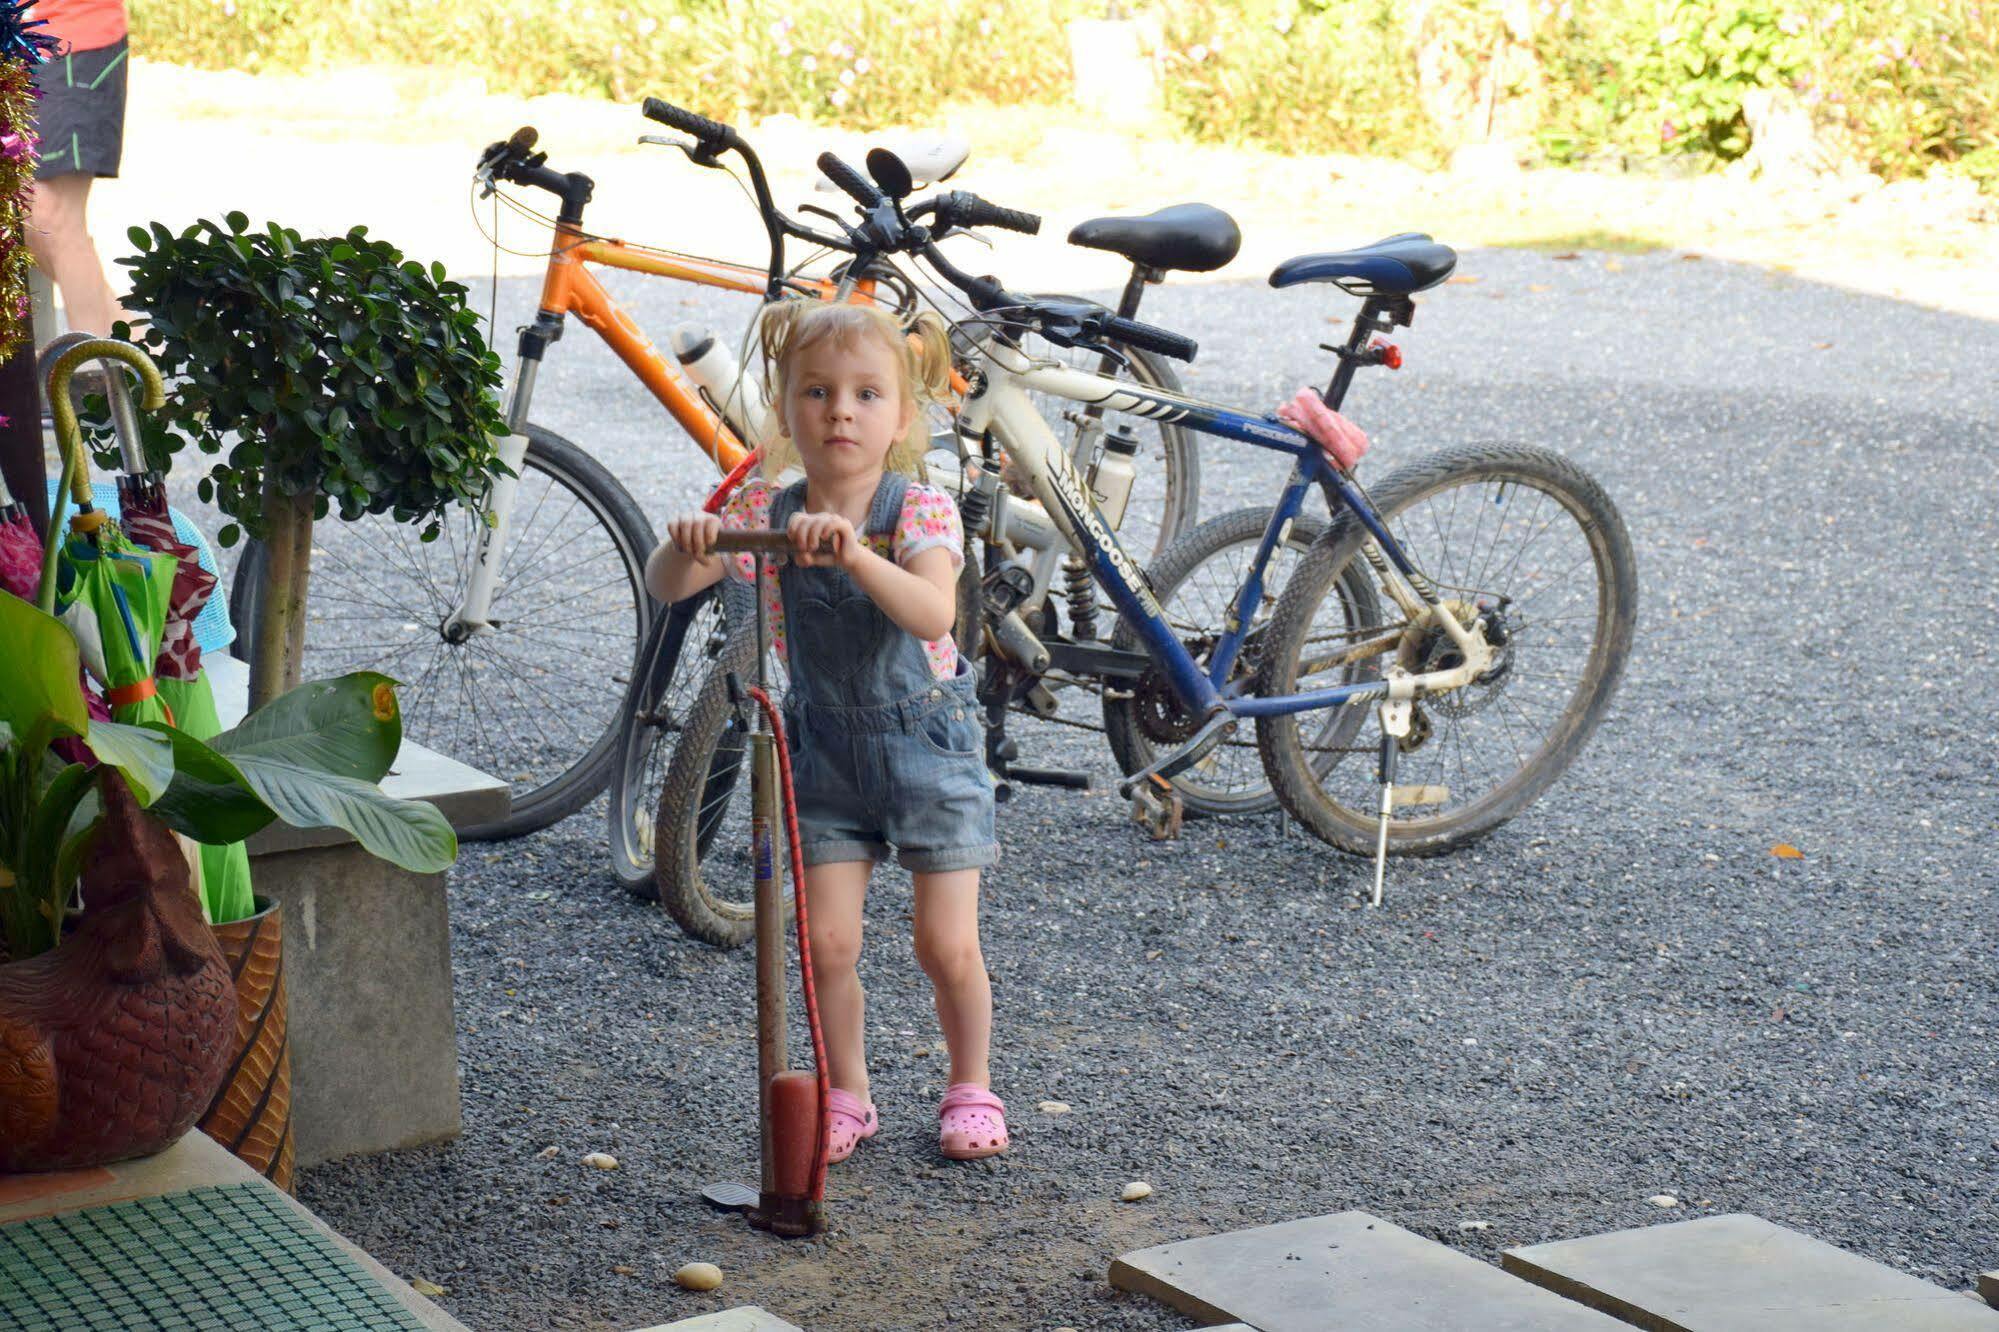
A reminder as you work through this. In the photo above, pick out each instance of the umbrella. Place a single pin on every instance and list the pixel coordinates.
(20, 572)
(183, 685)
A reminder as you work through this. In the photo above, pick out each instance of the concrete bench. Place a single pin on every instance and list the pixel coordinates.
(367, 961)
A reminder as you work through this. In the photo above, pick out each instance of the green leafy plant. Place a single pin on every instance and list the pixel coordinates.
(325, 374)
(311, 759)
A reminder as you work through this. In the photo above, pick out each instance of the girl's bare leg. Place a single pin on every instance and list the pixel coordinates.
(947, 947)
(834, 895)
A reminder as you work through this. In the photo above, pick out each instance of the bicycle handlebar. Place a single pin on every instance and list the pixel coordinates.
(851, 182)
(680, 118)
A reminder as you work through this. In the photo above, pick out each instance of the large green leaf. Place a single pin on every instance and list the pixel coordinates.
(210, 800)
(38, 670)
(408, 833)
(145, 756)
(349, 726)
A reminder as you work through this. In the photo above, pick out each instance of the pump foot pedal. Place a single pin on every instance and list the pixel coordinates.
(729, 1196)
(1157, 807)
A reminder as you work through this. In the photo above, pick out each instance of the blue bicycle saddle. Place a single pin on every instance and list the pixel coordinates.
(1396, 266)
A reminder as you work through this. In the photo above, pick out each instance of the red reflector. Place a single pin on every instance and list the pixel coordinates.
(1391, 355)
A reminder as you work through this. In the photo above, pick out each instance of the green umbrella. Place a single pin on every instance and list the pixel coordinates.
(114, 598)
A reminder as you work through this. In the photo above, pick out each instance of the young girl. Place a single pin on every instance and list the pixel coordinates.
(887, 749)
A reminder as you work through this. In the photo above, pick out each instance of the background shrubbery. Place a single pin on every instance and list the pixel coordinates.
(1904, 85)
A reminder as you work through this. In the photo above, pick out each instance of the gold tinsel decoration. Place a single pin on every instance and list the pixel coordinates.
(23, 45)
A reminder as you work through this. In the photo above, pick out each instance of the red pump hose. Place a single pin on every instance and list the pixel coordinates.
(821, 1148)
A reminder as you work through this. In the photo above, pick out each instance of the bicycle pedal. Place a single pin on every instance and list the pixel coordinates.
(1158, 807)
(1063, 777)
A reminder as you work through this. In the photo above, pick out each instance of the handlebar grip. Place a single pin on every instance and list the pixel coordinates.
(853, 183)
(523, 141)
(666, 113)
(754, 541)
(972, 211)
(1145, 336)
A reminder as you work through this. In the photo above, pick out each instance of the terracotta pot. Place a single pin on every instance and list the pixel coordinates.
(252, 1113)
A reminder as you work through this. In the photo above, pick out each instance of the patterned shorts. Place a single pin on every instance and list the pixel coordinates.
(81, 115)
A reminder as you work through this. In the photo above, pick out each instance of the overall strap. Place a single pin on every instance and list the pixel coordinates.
(787, 502)
(885, 514)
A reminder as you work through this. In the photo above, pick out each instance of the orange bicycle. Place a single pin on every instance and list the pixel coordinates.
(517, 630)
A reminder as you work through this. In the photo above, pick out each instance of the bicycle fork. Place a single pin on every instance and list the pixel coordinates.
(472, 615)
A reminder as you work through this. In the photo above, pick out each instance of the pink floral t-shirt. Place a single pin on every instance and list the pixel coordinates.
(929, 518)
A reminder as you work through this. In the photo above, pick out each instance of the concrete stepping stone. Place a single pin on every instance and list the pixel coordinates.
(1352, 1271)
(748, 1318)
(1740, 1273)
(1988, 1286)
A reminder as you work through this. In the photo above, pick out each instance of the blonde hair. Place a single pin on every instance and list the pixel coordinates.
(923, 358)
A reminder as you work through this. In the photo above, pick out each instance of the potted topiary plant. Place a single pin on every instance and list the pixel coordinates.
(324, 375)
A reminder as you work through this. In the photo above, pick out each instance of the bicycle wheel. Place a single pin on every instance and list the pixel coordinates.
(1197, 582)
(1165, 498)
(683, 644)
(1517, 532)
(702, 870)
(535, 700)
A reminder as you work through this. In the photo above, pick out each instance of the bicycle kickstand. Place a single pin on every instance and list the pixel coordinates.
(1394, 714)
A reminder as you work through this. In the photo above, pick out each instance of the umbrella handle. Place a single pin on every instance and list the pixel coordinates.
(69, 436)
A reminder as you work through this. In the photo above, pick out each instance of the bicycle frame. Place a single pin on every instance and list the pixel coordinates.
(569, 288)
(1000, 404)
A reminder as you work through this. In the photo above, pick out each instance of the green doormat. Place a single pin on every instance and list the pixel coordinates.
(226, 1258)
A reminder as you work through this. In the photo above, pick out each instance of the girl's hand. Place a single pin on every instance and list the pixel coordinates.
(694, 535)
(810, 531)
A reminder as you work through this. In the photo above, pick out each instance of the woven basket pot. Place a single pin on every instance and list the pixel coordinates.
(252, 1113)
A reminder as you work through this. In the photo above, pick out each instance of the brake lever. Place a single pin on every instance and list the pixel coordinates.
(680, 141)
(967, 232)
(832, 217)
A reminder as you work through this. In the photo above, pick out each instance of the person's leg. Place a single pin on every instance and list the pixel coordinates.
(947, 948)
(834, 895)
(59, 239)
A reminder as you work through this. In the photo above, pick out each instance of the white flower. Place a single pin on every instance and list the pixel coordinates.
(847, 78)
(838, 97)
(648, 26)
(809, 64)
(862, 65)
(1197, 53)
(784, 48)
(678, 23)
(985, 27)
(1283, 22)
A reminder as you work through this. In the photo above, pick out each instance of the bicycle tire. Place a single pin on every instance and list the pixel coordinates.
(652, 714)
(1231, 781)
(1602, 541)
(560, 680)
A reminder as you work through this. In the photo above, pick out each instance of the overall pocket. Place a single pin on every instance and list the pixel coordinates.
(841, 635)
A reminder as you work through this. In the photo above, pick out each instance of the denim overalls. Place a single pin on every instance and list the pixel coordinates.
(883, 752)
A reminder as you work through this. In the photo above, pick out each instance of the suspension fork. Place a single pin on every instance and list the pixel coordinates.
(471, 617)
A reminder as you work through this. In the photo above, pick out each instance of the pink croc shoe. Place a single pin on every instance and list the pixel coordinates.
(847, 1122)
(972, 1122)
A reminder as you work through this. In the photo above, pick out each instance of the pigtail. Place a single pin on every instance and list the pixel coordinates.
(930, 365)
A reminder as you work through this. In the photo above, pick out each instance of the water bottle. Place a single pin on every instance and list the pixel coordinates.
(1110, 483)
(708, 362)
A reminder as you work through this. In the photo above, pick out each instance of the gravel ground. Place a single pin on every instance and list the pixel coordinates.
(1621, 993)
